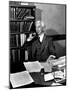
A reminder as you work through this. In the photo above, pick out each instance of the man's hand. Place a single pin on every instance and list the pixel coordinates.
(30, 37)
(51, 57)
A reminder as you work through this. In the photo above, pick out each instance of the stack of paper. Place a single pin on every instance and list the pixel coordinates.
(33, 66)
(20, 79)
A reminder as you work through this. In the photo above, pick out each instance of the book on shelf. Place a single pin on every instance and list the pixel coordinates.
(17, 27)
(17, 40)
(24, 26)
(14, 27)
(20, 12)
(15, 55)
(30, 25)
(26, 13)
(14, 40)
(27, 26)
(21, 26)
(12, 13)
(22, 39)
(12, 59)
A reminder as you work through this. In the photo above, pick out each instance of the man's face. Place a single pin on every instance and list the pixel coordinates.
(38, 27)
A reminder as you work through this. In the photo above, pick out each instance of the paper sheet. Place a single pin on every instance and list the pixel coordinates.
(47, 67)
(60, 61)
(20, 79)
(33, 66)
(48, 77)
(56, 84)
(59, 74)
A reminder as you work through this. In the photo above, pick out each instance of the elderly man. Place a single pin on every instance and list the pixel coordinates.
(43, 46)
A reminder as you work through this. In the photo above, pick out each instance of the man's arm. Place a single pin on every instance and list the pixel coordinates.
(52, 48)
(33, 51)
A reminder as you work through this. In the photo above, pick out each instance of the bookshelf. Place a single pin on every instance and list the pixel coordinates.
(21, 23)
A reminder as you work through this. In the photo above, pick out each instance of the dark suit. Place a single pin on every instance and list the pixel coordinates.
(41, 51)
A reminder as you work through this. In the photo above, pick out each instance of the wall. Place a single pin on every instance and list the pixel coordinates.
(54, 19)
(53, 16)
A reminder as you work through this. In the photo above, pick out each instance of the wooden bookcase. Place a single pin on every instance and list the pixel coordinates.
(21, 17)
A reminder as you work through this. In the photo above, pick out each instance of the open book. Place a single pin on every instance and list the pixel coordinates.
(33, 66)
(59, 74)
(20, 79)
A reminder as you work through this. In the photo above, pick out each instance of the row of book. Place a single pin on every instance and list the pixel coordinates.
(20, 27)
(17, 40)
(19, 13)
(17, 56)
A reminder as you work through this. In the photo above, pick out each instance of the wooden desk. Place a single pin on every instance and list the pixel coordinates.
(39, 81)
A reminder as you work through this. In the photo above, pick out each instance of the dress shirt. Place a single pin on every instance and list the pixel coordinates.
(41, 37)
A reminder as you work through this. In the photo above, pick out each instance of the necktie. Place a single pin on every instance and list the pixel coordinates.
(39, 40)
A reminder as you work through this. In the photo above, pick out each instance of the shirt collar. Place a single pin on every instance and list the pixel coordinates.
(41, 37)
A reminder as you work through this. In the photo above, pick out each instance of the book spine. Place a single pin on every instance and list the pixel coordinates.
(26, 55)
(23, 39)
(13, 56)
(17, 40)
(19, 55)
(21, 26)
(14, 13)
(30, 24)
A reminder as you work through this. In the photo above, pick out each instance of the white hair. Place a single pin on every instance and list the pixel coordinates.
(42, 23)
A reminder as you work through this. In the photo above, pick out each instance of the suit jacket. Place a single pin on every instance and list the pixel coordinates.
(41, 51)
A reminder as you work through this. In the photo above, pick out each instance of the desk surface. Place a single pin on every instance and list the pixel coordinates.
(39, 81)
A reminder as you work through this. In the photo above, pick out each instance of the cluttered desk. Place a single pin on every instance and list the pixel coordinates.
(50, 73)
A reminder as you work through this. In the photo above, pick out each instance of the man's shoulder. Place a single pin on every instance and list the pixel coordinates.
(35, 40)
(49, 38)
